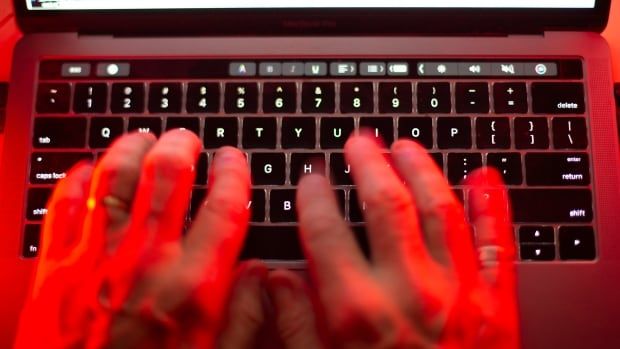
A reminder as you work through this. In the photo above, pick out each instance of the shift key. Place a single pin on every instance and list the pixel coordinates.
(551, 205)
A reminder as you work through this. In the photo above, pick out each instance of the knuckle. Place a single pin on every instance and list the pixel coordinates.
(445, 211)
(390, 198)
(293, 323)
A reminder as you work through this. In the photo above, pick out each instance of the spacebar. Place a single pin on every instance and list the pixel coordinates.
(551, 205)
(272, 243)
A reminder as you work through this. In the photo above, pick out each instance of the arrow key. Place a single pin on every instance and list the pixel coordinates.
(537, 252)
(536, 234)
(577, 243)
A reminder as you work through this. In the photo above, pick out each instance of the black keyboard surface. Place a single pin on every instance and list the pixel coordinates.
(527, 119)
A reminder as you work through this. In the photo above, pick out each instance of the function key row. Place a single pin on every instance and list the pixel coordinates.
(315, 97)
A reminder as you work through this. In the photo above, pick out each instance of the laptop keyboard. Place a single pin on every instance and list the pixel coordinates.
(527, 119)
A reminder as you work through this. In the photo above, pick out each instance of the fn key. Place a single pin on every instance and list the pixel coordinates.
(32, 238)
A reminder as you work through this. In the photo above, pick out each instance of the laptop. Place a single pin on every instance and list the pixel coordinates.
(521, 85)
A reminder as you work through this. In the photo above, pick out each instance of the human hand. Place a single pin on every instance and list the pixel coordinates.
(114, 270)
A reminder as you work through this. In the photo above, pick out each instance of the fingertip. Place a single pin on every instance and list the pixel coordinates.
(253, 269)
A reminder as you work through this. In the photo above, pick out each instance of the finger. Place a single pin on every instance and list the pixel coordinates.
(295, 318)
(390, 213)
(441, 214)
(245, 310)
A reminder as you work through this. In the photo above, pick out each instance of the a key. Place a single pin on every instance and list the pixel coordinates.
(472, 97)
(570, 133)
(395, 97)
(37, 200)
(103, 131)
(577, 243)
(48, 168)
(419, 129)
(145, 125)
(382, 128)
(298, 132)
(282, 206)
(558, 98)
(510, 98)
(340, 170)
(259, 133)
(537, 252)
(551, 205)
(356, 97)
(257, 206)
(335, 132)
(90, 98)
(531, 133)
(203, 98)
(268, 168)
(306, 163)
(63, 132)
(272, 243)
(127, 98)
(165, 97)
(279, 97)
(434, 97)
(53, 98)
(32, 240)
(461, 165)
(508, 165)
(318, 97)
(493, 133)
(187, 123)
(561, 169)
(241, 98)
(536, 234)
(454, 133)
(220, 132)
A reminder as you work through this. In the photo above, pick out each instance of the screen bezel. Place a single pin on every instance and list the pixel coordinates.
(335, 21)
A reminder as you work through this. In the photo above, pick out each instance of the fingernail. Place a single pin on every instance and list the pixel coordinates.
(224, 156)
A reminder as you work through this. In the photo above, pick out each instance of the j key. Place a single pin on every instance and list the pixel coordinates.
(570, 133)
(419, 129)
(434, 97)
(259, 133)
(203, 98)
(537, 252)
(356, 208)
(190, 124)
(282, 206)
(298, 132)
(241, 98)
(145, 125)
(220, 132)
(53, 98)
(510, 98)
(551, 205)
(318, 97)
(335, 132)
(165, 98)
(279, 97)
(48, 168)
(531, 133)
(306, 163)
(37, 203)
(90, 98)
(536, 234)
(272, 243)
(32, 240)
(257, 206)
(558, 98)
(493, 133)
(454, 133)
(127, 98)
(340, 170)
(59, 133)
(381, 128)
(103, 131)
(577, 243)
(198, 198)
(202, 169)
(461, 165)
(472, 97)
(557, 169)
(356, 97)
(395, 97)
(508, 165)
(268, 169)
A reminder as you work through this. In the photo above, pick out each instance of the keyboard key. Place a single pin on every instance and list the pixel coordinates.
(531, 133)
(395, 97)
(220, 132)
(298, 132)
(356, 209)
(419, 129)
(202, 169)
(259, 133)
(272, 243)
(282, 206)
(570, 133)
(561, 169)
(145, 125)
(472, 97)
(32, 240)
(508, 165)
(438, 158)
(381, 128)
(127, 98)
(537, 252)
(198, 198)
(493, 133)
(90, 98)
(187, 123)
(306, 163)
(536, 234)
(53, 98)
(434, 97)
(340, 170)
(61, 132)
(335, 132)
(551, 205)
(461, 165)
(558, 98)
(577, 243)
(103, 131)
(318, 97)
(268, 169)
(257, 206)
(279, 97)
(510, 98)
(48, 168)
(340, 199)
(203, 98)
(241, 98)
(356, 97)
(36, 207)
(454, 133)
(165, 97)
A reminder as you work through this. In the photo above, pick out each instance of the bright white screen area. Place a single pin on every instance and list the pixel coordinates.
(206, 4)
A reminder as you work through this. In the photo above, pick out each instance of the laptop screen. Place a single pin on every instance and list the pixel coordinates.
(232, 4)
